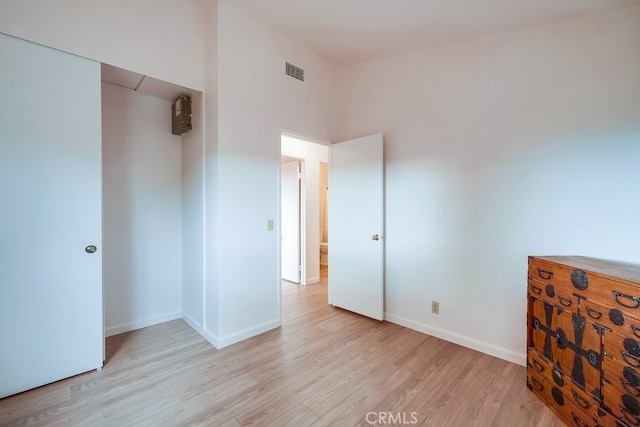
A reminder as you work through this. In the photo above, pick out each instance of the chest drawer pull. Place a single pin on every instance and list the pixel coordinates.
(536, 290)
(537, 384)
(565, 301)
(629, 417)
(582, 402)
(633, 302)
(629, 388)
(539, 366)
(594, 314)
(633, 361)
(578, 420)
(546, 275)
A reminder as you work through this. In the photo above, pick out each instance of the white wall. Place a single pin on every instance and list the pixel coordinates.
(496, 149)
(193, 218)
(312, 154)
(256, 101)
(142, 218)
(164, 39)
(210, 161)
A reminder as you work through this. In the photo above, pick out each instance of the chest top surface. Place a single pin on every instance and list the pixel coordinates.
(597, 266)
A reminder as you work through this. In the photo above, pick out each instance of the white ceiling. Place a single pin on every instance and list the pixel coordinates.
(351, 31)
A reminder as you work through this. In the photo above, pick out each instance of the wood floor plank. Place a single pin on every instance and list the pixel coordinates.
(25, 404)
(522, 405)
(367, 398)
(428, 414)
(135, 408)
(481, 401)
(204, 402)
(358, 373)
(324, 366)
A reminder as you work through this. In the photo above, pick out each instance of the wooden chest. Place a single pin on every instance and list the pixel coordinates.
(583, 338)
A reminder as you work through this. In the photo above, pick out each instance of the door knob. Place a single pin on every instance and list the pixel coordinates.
(375, 237)
(90, 249)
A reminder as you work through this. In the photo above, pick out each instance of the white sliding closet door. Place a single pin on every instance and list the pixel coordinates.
(50, 216)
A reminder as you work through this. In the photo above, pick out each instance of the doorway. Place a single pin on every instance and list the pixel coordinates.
(310, 156)
(147, 202)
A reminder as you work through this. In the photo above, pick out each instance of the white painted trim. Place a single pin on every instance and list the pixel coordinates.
(313, 280)
(247, 333)
(211, 337)
(197, 326)
(132, 326)
(490, 349)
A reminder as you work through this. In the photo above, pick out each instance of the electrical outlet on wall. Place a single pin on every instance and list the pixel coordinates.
(435, 307)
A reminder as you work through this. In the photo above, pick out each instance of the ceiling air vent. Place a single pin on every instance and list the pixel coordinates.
(295, 71)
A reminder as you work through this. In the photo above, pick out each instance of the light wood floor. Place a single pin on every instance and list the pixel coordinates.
(324, 366)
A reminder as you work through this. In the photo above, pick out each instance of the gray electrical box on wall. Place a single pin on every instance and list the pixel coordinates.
(181, 115)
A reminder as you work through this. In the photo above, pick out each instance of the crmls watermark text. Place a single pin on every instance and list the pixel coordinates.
(392, 418)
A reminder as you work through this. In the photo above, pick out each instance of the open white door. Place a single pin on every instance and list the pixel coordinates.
(356, 226)
(51, 216)
(290, 217)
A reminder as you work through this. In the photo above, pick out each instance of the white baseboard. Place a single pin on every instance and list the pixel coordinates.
(313, 280)
(211, 337)
(197, 326)
(243, 335)
(490, 349)
(138, 324)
